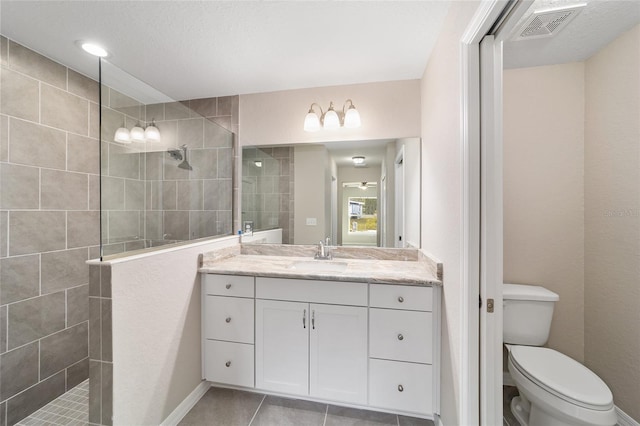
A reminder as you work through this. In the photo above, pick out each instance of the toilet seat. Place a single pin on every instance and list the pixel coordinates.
(562, 376)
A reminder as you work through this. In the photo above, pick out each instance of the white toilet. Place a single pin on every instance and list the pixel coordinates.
(555, 390)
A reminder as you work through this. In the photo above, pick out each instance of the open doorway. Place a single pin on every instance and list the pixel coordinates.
(359, 206)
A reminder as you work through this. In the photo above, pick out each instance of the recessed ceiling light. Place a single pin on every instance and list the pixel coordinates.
(358, 160)
(93, 49)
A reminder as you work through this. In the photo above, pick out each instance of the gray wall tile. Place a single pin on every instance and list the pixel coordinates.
(224, 105)
(154, 164)
(4, 138)
(83, 154)
(154, 196)
(126, 105)
(124, 162)
(4, 232)
(63, 349)
(36, 145)
(203, 223)
(94, 192)
(95, 329)
(216, 136)
(190, 195)
(83, 86)
(176, 111)
(64, 110)
(134, 245)
(35, 397)
(155, 112)
(206, 107)
(223, 121)
(105, 280)
(4, 51)
(153, 225)
(94, 280)
(107, 393)
(77, 305)
(169, 133)
(19, 370)
(191, 132)
(169, 195)
(20, 95)
(172, 171)
(95, 391)
(33, 232)
(112, 193)
(20, 187)
(204, 163)
(123, 226)
(94, 121)
(176, 225)
(35, 318)
(111, 121)
(3, 414)
(19, 278)
(134, 194)
(3, 329)
(64, 190)
(77, 373)
(37, 66)
(225, 163)
(64, 269)
(106, 330)
(83, 229)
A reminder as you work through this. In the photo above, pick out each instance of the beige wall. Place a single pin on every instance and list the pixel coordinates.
(441, 231)
(612, 218)
(388, 110)
(309, 193)
(412, 175)
(544, 191)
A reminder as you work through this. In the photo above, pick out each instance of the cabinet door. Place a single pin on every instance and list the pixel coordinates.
(282, 346)
(338, 353)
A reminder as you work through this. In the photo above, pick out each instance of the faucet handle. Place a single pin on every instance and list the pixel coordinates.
(327, 241)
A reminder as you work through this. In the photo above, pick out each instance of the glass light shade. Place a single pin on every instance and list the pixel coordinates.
(137, 134)
(331, 120)
(152, 134)
(352, 118)
(95, 50)
(311, 122)
(122, 135)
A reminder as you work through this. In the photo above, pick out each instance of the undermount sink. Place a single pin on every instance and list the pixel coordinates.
(318, 266)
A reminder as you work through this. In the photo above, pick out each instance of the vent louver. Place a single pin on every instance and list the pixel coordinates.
(547, 23)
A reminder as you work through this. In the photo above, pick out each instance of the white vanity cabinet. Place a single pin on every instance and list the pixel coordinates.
(228, 329)
(314, 349)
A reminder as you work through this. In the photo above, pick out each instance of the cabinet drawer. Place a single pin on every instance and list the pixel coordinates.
(401, 386)
(411, 298)
(228, 285)
(401, 335)
(230, 363)
(229, 318)
(313, 291)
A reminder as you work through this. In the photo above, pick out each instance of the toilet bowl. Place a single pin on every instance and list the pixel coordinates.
(555, 390)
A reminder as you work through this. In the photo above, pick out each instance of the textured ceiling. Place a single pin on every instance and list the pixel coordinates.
(599, 23)
(194, 49)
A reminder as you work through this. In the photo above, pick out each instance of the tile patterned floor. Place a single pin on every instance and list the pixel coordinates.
(227, 407)
(70, 409)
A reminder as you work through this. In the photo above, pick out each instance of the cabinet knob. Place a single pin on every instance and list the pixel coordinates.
(228, 363)
(400, 388)
(400, 299)
(228, 286)
(400, 336)
(228, 319)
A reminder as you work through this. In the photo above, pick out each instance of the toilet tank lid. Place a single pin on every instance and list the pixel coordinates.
(528, 292)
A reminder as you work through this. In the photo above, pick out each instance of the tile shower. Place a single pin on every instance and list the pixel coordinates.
(52, 321)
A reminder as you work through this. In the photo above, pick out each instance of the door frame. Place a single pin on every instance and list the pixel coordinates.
(399, 219)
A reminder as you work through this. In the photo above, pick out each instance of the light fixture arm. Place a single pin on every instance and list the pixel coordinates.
(311, 110)
(351, 106)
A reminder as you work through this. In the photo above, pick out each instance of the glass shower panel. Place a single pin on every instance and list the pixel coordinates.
(167, 191)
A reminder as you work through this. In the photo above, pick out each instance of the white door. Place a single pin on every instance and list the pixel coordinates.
(399, 199)
(338, 353)
(282, 346)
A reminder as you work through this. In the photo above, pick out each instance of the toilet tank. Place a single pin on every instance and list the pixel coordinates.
(527, 314)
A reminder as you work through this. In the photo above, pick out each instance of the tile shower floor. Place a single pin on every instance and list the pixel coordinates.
(69, 409)
(227, 407)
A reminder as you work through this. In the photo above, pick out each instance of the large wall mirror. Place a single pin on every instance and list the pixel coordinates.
(358, 193)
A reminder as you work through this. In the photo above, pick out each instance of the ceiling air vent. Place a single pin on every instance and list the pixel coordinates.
(547, 23)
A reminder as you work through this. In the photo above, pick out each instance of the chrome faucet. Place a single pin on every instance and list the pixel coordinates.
(323, 252)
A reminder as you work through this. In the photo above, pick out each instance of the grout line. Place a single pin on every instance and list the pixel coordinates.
(257, 409)
(398, 419)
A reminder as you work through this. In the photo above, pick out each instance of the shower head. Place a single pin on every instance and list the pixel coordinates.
(185, 163)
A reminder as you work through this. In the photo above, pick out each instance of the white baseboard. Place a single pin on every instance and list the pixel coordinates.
(186, 405)
(624, 419)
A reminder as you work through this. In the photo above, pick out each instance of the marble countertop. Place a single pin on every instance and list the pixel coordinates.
(382, 271)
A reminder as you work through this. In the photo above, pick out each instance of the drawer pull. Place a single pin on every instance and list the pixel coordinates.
(304, 319)
(400, 388)
(228, 319)
(228, 286)
(400, 336)
(400, 299)
(228, 363)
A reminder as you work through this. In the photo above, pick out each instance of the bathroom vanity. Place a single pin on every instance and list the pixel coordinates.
(352, 331)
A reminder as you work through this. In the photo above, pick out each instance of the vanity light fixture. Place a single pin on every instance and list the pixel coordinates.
(357, 160)
(151, 132)
(332, 119)
(122, 135)
(258, 163)
(364, 186)
(137, 134)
